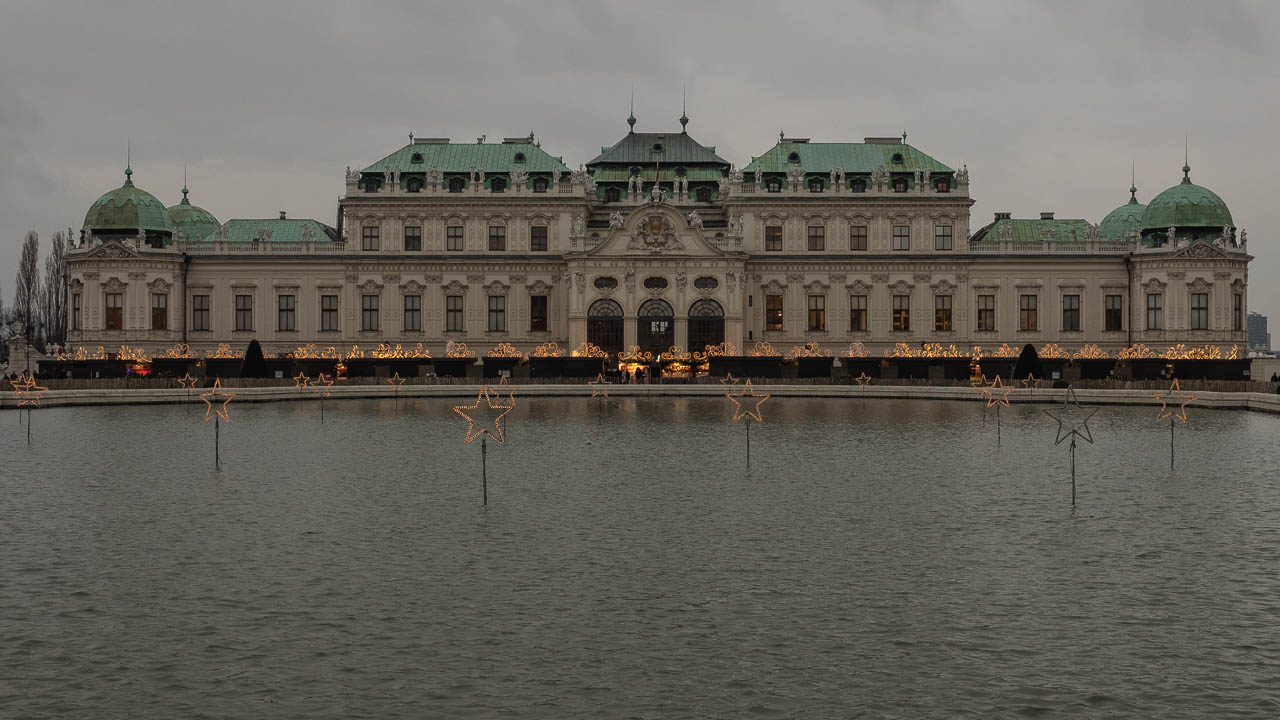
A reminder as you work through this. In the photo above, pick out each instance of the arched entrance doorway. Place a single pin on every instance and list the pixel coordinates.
(706, 325)
(655, 326)
(604, 325)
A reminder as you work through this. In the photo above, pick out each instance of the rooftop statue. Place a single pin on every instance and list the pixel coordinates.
(695, 220)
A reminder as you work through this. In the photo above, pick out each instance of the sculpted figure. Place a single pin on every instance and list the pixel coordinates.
(578, 223)
(759, 175)
(1171, 234)
(695, 220)
(656, 195)
(962, 176)
(555, 176)
(1243, 238)
(724, 187)
(615, 220)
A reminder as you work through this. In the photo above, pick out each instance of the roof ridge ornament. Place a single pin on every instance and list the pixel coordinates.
(1186, 160)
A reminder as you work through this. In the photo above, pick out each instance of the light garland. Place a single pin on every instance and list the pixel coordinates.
(1181, 412)
(749, 409)
(224, 353)
(484, 409)
(355, 353)
(635, 355)
(1136, 352)
(215, 393)
(1090, 352)
(178, 352)
(1005, 351)
(856, 350)
(600, 386)
(1053, 351)
(311, 352)
(588, 350)
(808, 350)
(674, 353)
(764, 349)
(547, 349)
(386, 352)
(459, 351)
(504, 350)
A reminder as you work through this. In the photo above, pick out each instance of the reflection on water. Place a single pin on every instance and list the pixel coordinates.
(880, 559)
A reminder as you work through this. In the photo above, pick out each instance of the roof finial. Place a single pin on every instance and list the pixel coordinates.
(1133, 186)
(904, 137)
(1186, 159)
(410, 137)
(128, 162)
(184, 185)
(781, 136)
(684, 116)
(631, 117)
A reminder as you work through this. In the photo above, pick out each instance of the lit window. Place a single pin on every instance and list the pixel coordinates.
(901, 313)
(773, 312)
(987, 313)
(773, 238)
(858, 313)
(942, 313)
(817, 313)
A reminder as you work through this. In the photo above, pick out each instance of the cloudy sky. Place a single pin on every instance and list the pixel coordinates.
(1048, 103)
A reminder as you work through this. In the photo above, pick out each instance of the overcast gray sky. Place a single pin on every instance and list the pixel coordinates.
(267, 103)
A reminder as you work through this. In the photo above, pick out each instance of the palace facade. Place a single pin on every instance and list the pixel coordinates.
(658, 242)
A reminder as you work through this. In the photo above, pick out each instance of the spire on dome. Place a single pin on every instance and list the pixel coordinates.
(684, 116)
(1186, 161)
(1133, 186)
(631, 117)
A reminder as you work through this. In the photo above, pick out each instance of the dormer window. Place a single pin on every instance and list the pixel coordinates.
(519, 157)
(773, 184)
(498, 185)
(897, 158)
(942, 185)
(612, 194)
(858, 185)
(657, 148)
(371, 185)
(815, 185)
(899, 184)
(539, 185)
(703, 194)
(793, 157)
(456, 184)
(416, 159)
(414, 185)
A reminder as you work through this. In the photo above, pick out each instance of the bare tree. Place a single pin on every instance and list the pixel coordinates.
(26, 297)
(53, 296)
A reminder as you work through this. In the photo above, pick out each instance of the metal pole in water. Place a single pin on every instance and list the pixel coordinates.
(1170, 442)
(997, 425)
(217, 460)
(484, 470)
(321, 409)
(28, 425)
(748, 442)
(1073, 471)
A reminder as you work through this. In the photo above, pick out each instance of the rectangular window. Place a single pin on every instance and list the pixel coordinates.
(287, 313)
(1199, 311)
(497, 238)
(858, 237)
(412, 313)
(773, 238)
(942, 313)
(1113, 313)
(200, 312)
(115, 311)
(817, 313)
(369, 313)
(453, 312)
(497, 313)
(1237, 311)
(453, 238)
(902, 312)
(858, 313)
(413, 238)
(772, 312)
(817, 238)
(1070, 313)
(987, 313)
(1155, 311)
(370, 237)
(901, 237)
(1028, 312)
(538, 313)
(538, 238)
(329, 313)
(75, 311)
(159, 311)
(244, 312)
(941, 237)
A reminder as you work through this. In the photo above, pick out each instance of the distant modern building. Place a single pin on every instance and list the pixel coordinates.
(1259, 338)
(659, 244)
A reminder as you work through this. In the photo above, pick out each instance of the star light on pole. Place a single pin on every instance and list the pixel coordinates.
(746, 404)
(505, 385)
(219, 415)
(728, 379)
(997, 394)
(302, 380)
(480, 416)
(24, 386)
(600, 386)
(1073, 422)
(1173, 395)
(320, 386)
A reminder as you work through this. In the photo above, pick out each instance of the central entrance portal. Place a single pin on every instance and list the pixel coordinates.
(604, 326)
(655, 326)
(706, 325)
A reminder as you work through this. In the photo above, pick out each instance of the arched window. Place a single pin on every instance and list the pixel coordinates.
(519, 157)
(416, 159)
(604, 325)
(773, 184)
(456, 184)
(655, 325)
(793, 157)
(497, 185)
(942, 185)
(703, 194)
(706, 324)
(413, 184)
(606, 282)
(815, 185)
(897, 158)
(899, 184)
(539, 184)
(657, 148)
(706, 282)
(655, 282)
(371, 184)
(612, 194)
(859, 185)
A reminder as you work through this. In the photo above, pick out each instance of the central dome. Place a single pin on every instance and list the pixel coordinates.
(128, 209)
(1186, 205)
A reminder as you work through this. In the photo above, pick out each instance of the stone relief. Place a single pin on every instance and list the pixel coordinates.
(695, 220)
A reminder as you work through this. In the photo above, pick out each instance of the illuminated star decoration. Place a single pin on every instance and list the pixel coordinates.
(1073, 420)
(1031, 383)
(864, 379)
(747, 409)
(481, 415)
(600, 386)
(503, 384)
(1181, 412)
(396, 380)
(979, 381)
(187, 382)
(28, 385)
(728, 379)
(320, 386)
(216, 393)
(997, 387)
(302, 380)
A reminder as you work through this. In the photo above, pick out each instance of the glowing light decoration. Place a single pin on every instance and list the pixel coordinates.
(548, 349)
(1208, 352)
(504, 384)
(1090, 352)
(384, 351)
(396, 380)
(311, 352)
(1174, 395)
(216, 394)
(504, 350)
(24, 386)
(131, 354)
(588, 350)
(355, 353)
(600, 386)
(724, 349)
(484, 417)
(320, 386)
(728, 379)
(1136, 352)
(459, 351)
(301, 380)
(762, 348)
(747, 403)
(929, 350)
(1031, 383)
(675, 353)
(178, 352)
(1005, 351)
(856, 350)
(635, 355)
(808, 350)
(864, 380)
(975, 352)
(997, 393)
(1073, 422)
(1053, 351)
(187, 382)
(978, 379)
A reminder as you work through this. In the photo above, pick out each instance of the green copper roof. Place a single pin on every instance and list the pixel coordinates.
(1186, 205)
(1123, 219)
(193, 221)
(461, 157)
(648, 149)
(668, 173)
(1035, 231)
(128, 208)
(853, 157)
(274, 229)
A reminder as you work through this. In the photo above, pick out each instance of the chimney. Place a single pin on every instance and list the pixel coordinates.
(281, 214)
(1003, 215)
(1046, 216)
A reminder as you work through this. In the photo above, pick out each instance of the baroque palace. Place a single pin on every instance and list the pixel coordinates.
(659, 245)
